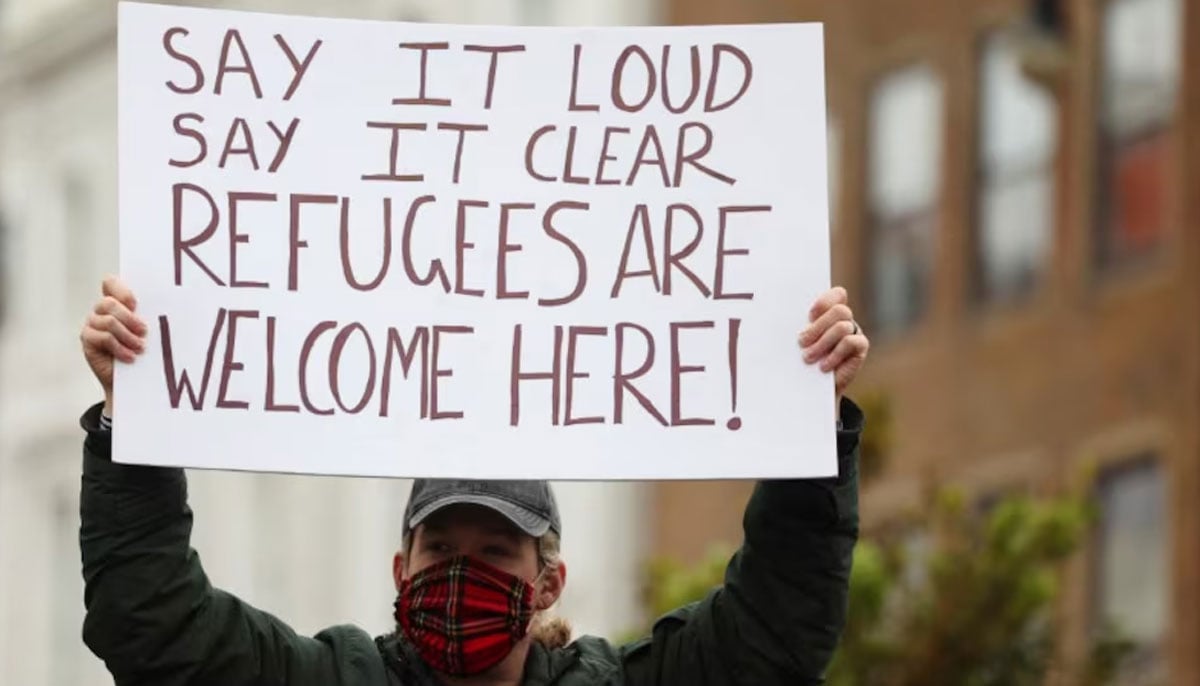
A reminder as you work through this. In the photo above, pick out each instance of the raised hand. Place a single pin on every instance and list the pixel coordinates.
(834, 340)
(112, 332)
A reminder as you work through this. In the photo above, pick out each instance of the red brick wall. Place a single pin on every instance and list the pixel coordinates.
(1094, 368)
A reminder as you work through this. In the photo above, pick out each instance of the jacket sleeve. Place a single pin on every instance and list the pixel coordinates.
(152, 615)
(780, 613)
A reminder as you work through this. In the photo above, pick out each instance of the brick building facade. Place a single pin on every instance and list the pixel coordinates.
(1020, 232)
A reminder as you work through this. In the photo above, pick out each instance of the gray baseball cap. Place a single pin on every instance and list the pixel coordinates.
(530, 505)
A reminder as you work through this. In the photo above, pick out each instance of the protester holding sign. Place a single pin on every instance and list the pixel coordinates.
(479, 562)
(369, 248)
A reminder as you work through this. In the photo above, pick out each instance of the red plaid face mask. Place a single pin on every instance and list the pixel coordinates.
(463, 616)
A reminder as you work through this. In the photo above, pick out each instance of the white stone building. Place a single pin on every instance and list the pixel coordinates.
(316, 551)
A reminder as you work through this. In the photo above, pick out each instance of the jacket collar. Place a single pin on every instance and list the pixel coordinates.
(542, 667)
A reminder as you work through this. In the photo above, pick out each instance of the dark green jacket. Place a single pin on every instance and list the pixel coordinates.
(155, 620)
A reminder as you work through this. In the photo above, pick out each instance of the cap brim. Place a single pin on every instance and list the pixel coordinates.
(526, 520)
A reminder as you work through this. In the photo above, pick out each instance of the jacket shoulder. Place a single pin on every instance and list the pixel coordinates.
(355, 655)
(589, 660)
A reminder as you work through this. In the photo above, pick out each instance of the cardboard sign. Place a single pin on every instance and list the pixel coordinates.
(395, 249)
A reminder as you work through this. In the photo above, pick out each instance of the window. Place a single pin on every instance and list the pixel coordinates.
(1131, 574)
(537, 12)
(918, 549)
(81, 227)
(66, 602)
(6, 288)
(1015, 202)
(904, 178)
(1141, 63)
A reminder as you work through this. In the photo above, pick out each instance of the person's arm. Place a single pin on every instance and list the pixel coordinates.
(152, 615)
(781, 611)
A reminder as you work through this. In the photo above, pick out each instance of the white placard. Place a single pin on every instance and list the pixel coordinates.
(396, 249)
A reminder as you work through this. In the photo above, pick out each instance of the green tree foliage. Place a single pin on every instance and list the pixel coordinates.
(972, 603)
(974, 608)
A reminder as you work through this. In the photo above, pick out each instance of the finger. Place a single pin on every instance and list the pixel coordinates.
(839, 312)
(828, 341)
(116, 288)
(114, 326)
(834, 296)
(116, 308)
(845, 374)
(849, 347)
(96, 339)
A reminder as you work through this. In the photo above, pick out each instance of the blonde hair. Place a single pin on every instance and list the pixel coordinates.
(550, 631)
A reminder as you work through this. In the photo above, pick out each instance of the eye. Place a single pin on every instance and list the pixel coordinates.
(497, 551)
(439, 547)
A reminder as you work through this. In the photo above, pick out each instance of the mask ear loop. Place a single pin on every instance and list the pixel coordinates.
(534, 584)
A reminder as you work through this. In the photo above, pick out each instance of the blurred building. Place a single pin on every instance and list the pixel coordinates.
(1018, 222)
(316, 551)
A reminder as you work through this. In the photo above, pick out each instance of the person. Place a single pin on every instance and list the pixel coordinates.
(479, 563)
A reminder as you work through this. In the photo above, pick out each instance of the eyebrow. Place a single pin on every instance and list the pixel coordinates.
(434, 527)
(505, 531)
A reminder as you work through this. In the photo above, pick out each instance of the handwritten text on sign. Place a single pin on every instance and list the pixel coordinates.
(404, 249)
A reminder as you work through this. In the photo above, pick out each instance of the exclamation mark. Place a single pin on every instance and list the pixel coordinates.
(735, 327)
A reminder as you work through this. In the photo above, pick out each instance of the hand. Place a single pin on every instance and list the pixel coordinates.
(112, 332)
(834, 340)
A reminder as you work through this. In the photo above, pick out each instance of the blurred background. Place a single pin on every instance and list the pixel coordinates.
(1015, 211)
